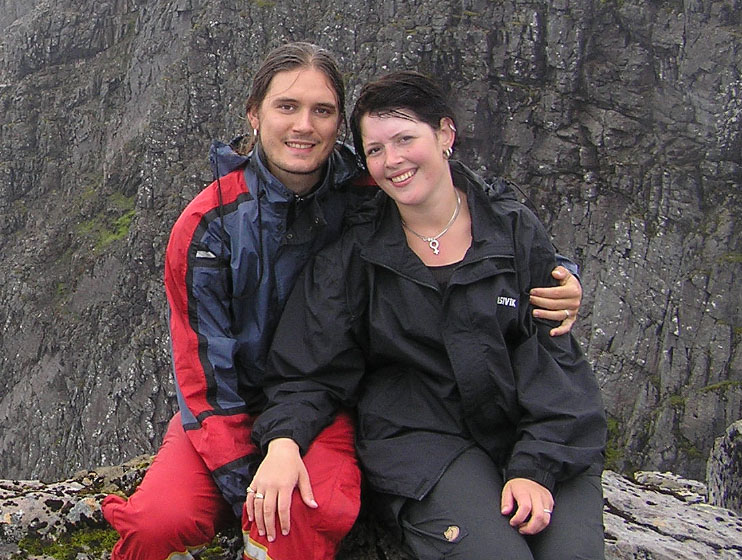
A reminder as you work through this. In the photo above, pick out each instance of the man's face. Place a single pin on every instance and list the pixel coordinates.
(297, 125)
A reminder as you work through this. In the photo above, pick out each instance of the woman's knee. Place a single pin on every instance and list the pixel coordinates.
(576, 530)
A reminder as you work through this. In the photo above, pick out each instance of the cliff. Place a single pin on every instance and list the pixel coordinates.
(620, 120)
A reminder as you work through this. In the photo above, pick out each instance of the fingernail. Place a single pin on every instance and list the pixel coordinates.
(261, 533)
(314, 504)
(536, 313)
(284, 532)
(271, 539)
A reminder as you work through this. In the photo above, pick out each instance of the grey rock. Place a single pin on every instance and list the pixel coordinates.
(724, 470)
(692, 491)
(642, 521)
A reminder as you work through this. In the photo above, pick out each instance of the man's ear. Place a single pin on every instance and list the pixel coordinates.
(253, 119)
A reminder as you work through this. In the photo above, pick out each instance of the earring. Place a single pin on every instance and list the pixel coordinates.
(448, 152)
(452, 127)
(254, 132)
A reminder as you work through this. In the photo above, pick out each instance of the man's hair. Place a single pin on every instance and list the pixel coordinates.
(398, 93)
(292, 56)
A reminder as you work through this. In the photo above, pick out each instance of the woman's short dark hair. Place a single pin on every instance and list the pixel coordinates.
(408, 91)
(290, 57)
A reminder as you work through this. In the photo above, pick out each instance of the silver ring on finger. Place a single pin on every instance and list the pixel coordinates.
(250, 490)
(566, 313)
(547, 511)
(259, 496)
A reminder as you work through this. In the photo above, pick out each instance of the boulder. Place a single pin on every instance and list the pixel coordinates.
(724, 470)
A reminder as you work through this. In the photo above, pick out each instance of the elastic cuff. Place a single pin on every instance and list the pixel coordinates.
(544, 478)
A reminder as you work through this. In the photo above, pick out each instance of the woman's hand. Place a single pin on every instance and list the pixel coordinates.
(559, 303)
(534, 505)
(271, 489)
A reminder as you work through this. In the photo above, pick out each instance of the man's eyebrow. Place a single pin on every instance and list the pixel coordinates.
(284, 100)
(288, 99)
(332, 106)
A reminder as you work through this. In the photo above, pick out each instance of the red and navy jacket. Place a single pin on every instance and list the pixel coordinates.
(231, 262)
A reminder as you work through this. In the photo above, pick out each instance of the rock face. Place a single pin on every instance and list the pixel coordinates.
(724, 470)
(659, 519)
(620, 120)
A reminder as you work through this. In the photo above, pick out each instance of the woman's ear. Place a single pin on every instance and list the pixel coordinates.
(447, 132)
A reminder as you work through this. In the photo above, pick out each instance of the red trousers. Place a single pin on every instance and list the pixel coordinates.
(177, 509)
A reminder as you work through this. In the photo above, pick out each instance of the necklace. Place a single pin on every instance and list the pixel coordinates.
(433, 242)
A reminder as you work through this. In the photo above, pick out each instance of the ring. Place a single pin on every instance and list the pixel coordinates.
(566, 313)
(547, 511)
(259, 496)
(250, 490)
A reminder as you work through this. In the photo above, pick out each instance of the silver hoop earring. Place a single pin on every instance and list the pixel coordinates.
(448, 152)
(254, 132)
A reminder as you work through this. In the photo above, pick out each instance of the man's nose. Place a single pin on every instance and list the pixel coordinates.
(303, 120)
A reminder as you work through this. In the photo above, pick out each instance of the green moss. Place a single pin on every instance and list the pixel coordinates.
(263, 3)
(89, 194)
(613, 448)
(734, 258)
(103, 233)
(213, 552)
(677, 401)
(121, 201)
(68, 546)
(62, 289)
(121, 227)
(721, 386)
(686, 447)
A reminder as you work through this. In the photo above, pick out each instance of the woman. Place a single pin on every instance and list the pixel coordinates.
(482, 435)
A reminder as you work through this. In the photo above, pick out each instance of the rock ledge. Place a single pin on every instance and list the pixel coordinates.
(657, 516)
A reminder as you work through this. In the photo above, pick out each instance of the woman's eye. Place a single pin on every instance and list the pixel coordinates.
(372, 151)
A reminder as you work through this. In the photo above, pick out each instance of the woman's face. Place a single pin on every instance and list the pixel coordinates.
(405, 155)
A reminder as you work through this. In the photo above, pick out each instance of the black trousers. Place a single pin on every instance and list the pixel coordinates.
(460, 518)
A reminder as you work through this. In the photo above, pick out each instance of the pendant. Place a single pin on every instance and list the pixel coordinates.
(433, 244)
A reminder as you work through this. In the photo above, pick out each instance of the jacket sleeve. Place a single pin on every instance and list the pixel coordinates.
(569, 264)
(562, 426)
(213, 412)
(315, 364)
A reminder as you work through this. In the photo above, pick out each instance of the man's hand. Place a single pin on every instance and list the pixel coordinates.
(271, 489)
(560, 303)
(534, 505)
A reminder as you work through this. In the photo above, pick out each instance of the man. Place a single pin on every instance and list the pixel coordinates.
(231, 262)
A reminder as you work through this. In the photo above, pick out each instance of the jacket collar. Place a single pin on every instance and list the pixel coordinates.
(341, 167)
(386, 244)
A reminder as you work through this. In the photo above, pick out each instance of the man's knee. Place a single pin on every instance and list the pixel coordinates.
(156, 529)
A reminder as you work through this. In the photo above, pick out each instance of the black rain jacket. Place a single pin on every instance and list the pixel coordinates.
(434, 371)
